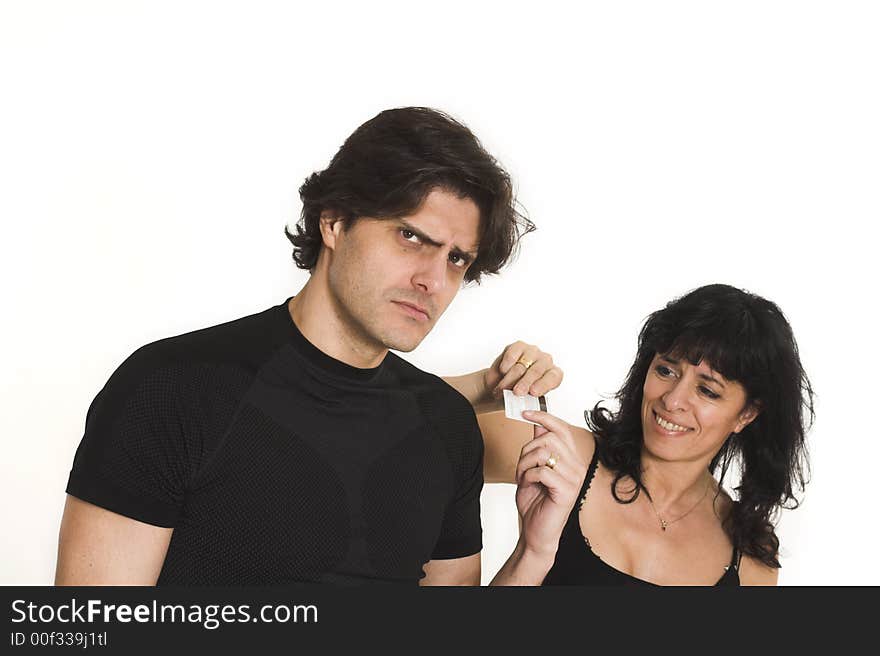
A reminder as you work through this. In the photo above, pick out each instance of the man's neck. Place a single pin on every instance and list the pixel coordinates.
(318, 318)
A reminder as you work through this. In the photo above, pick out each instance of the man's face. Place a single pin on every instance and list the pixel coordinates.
(391, 279)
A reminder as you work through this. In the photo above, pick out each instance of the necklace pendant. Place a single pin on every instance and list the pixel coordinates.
(663, 524)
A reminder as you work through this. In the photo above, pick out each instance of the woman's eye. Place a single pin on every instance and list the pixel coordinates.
(409, 235)
(663, 370)
(709, 393)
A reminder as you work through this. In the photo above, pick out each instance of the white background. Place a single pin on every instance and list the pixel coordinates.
(150, 155)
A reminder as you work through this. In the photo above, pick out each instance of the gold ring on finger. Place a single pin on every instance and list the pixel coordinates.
(551, 461)
(525, 363)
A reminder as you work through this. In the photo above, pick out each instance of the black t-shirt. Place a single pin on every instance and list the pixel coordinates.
(276, 463)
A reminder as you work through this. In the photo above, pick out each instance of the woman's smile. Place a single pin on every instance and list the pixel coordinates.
(669, 427)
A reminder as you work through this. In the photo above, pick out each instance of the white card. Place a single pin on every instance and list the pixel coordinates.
(514, 405)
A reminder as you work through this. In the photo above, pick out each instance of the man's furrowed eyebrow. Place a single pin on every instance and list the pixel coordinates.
(469, 255)
(465, 255)
(418, 233)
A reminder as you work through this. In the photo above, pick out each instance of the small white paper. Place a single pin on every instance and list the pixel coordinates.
(514, 405)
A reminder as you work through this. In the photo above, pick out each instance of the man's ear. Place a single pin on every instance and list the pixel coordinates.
(747, 416)
(331, 225)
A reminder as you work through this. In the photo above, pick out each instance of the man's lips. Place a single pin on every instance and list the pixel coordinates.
(413, 310)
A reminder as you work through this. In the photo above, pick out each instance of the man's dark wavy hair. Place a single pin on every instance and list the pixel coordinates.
(747, 339)
(387, 167)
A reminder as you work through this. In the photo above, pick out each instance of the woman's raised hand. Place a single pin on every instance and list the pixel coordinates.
(523, 368)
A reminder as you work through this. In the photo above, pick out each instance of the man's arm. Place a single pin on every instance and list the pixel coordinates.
(454, 571)
(99, 547)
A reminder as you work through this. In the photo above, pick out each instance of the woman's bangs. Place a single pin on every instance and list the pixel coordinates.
(723, 345)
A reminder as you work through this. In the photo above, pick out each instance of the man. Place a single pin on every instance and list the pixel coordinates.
(290, 445)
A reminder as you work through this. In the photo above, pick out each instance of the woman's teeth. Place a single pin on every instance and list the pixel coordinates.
(669, 425)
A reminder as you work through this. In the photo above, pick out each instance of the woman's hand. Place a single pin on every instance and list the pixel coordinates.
(549, 476)
(522, 367)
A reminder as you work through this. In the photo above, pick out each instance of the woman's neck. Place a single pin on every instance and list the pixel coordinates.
(674, 485)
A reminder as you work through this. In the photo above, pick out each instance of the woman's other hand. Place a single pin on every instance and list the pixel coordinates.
(549, 475)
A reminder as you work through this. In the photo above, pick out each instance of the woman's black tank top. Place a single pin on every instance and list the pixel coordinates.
(576, 564)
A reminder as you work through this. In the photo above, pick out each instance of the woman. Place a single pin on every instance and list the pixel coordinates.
(717, 381)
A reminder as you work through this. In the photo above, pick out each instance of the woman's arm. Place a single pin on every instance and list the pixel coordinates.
(503, 440)
(524, 567)
(475, 389)
(549, 474)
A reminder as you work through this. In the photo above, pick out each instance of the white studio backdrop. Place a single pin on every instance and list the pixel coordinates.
(150, 155)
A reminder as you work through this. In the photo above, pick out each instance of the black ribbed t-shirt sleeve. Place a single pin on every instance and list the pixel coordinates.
(461, 534)
(135, 456)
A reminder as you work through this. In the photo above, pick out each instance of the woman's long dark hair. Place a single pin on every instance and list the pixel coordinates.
(746, 339)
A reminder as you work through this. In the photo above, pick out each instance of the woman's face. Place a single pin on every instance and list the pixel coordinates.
(688, 411)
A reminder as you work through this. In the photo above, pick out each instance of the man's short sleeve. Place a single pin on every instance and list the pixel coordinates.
(461, 534)
(133, 458)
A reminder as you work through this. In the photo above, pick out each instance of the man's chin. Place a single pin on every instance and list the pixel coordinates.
(402, 347)
(403, 343)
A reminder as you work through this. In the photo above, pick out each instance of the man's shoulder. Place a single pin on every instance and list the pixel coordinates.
(427, 385)
(448, 412)
(238, 345)
(224, 340)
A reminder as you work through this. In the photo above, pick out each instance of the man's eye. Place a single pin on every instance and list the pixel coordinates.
(458, 260)
(409, 235)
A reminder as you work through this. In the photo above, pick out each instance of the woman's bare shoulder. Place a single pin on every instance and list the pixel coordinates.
(753, 572)
(584, 440)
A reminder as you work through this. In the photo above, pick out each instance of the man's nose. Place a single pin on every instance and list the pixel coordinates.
(430, 277)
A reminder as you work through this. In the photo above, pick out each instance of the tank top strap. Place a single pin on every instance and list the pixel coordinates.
(735, 558)
(591, 471)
